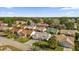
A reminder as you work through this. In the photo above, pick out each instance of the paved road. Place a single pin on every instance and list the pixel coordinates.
(16, 44)
(67, 49)
(30, 42)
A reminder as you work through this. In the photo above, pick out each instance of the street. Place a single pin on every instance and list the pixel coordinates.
(16, 44)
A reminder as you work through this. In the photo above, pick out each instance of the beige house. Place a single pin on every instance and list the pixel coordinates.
(68, 32)
(30, 27)
(20, 22)
(65, 41)
(41, 29)
(42, 24)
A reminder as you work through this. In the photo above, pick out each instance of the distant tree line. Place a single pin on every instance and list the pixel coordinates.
(52, 21)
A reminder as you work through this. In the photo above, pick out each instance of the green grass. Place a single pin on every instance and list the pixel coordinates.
(73, 49)
(22, 40)
(38, 48)
(44, 45)
(48, 49)
(9, 35)
(59, 48)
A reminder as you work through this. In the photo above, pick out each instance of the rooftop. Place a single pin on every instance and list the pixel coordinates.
(26, 32)
(52, 30)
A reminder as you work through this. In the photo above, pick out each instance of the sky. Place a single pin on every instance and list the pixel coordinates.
(39, 11)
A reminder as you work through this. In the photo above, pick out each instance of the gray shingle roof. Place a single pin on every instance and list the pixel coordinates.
(41, 35)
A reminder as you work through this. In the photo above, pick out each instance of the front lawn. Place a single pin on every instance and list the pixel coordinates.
(73, 49)
(37, 48)
(44, 46)
(59, 48)
(9, 35)
(22, 39)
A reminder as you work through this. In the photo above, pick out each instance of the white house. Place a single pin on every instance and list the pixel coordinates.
(40, 35)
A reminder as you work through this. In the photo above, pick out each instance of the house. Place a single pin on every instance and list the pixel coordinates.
(68, 32)
(41, 35)
(61, 37)
(1, 22)
(40, 29)
(14, 30)
(42, 24)
(61, 26)
(3, 26)
(25, 32)
(32, 23)
(19, 26)
(73, 20)
(20, 22)
(52, 30)
(75, 26)
(63, 41)
(30, 27)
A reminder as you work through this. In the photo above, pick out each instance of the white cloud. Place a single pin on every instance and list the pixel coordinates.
(9, 7)
(69, 8)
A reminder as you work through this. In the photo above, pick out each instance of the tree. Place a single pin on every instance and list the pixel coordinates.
(52, 42)
(77, 20)
(69, 25)
(9, 20)
(36, 20)
(77, 46)
(43, 44)
(77, 27)
(64, 20)
(1, 18)
(28, 22)
(50, 22)
(76, 41)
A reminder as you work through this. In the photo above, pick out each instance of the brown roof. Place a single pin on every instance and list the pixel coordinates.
(26, 32)
(14, 30)
(68, 31)
(61, 37)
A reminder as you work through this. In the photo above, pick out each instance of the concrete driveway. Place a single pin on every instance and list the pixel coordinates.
(67, 49)
(16, 44)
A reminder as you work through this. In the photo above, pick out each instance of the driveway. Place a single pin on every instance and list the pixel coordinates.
(67, 49)
(16, 44)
